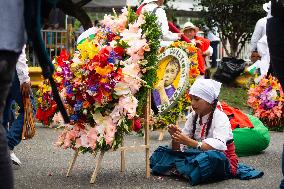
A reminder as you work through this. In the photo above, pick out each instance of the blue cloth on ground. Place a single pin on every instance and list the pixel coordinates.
(198, 166)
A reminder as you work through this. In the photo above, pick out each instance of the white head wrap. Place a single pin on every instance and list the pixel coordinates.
(207, 89)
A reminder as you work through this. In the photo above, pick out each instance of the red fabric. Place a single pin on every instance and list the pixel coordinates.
(232, 157)
(140, 9)
(237, 118)
(205, 45)
(174, 29)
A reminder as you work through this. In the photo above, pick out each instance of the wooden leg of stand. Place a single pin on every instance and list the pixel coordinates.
(147, 132)
(97, 168)
(122, 159)
(72, 162)
(161, 136)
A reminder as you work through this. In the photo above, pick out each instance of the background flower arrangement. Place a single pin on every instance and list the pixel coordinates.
(182, 104)
(105, 83)
(266, 100)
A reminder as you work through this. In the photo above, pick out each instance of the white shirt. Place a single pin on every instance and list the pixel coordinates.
(219, 133)
(162, 21)
(259, 32)
(22, 68)
(212, 37)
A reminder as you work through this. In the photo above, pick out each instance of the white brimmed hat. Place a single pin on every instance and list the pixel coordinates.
(266, 6)
(189, 25)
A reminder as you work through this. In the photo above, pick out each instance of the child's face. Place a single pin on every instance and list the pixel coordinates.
(170, 74)
(254, 57)
(200, 106)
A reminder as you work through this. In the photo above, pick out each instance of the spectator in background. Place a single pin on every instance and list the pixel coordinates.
(254, 57)
(260, 28)
(275, 39)
(213, 36)
(155, 7)
(190, 31)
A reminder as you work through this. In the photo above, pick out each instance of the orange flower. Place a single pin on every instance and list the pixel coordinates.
(194, 72)
(187, 97)
(104, 71)
(86, 104)
(191, 48)
(176, 44)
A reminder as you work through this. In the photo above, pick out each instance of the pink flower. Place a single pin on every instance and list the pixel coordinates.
(92, 136)
(128, 105)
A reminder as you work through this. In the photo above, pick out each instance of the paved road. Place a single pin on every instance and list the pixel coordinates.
(44, 167)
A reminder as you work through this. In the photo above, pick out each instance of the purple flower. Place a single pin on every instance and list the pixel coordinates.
(69, 89)
(78, 106)
(74, 117)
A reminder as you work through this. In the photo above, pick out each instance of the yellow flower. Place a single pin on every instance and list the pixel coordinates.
(88, 49)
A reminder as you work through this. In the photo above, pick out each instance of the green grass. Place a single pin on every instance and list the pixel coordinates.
(235, 97)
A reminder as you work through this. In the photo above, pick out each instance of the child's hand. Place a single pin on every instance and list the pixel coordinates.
(172, 129)
(179, 137)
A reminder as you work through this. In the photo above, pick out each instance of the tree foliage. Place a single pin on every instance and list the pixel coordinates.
(235, 19)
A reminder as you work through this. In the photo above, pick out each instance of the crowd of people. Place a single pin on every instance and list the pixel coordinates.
(207, 130)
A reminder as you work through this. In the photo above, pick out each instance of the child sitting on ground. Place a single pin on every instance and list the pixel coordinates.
(204, 149)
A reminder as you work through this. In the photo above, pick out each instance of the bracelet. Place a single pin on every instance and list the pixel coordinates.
(199, 144)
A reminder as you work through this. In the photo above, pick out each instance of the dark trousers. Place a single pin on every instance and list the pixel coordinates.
(14, 132)
(275, 39)
(8, 62)
(214, 45)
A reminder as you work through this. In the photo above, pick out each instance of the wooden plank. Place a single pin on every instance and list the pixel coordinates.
(133, 148)
(122, 158)
(162, 134)
(97, 168)
(147, 133)
(72, 162)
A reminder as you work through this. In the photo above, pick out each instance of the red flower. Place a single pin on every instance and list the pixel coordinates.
(119, 51)
(64, 56)
(110, 36)
(136, 126)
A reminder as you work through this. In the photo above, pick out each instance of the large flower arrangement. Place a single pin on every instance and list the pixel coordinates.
(182, 104)
(266, 99)
(105, 82)
(46, 105)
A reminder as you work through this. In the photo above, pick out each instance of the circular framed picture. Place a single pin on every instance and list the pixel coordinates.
(173, 79)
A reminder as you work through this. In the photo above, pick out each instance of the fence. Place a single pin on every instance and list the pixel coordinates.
(55, 41)
(244, 54)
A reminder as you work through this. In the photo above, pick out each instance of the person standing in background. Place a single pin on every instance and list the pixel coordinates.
(213, 36)
(155, 7)
(260, 28)
(275, 39)
(12, 40)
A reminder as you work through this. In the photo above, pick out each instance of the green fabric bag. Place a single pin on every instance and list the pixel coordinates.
(251, 141)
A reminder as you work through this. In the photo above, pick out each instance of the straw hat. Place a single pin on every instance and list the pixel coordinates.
(189, 25)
